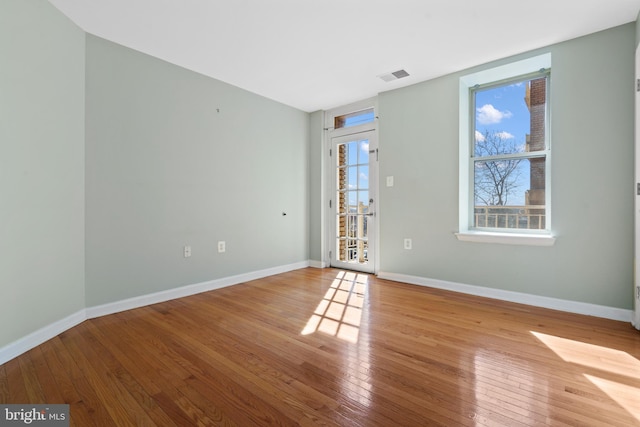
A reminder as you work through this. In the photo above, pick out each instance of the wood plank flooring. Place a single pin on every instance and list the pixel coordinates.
(325, 347)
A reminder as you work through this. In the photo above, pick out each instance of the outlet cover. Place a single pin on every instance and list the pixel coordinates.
(408, 244)
(222, 246)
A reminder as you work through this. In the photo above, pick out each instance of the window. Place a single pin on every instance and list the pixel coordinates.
(353, 119)
(504, 154)
(509, 154)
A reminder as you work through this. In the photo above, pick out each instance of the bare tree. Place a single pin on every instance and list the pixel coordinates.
(495, 180)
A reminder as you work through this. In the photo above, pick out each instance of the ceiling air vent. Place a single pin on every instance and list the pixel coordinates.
(394, 75)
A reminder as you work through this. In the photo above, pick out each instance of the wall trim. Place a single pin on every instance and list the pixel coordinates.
(317, 264)
(34, 339)
(185, 291)
(577, 307)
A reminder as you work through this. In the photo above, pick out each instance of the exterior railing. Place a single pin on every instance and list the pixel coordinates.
(524, 217)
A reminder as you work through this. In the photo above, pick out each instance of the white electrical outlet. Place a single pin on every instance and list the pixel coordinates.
(187, 251)
(390, 181)
(222, 246)
(408, 244)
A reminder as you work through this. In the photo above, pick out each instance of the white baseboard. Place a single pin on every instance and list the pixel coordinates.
(518, 297)
(36, 338)
(317, 264)
(185, 291)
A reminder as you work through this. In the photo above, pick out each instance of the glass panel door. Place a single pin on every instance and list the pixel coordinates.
(354, 202)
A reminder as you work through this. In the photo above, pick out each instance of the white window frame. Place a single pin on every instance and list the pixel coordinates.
(466, 232)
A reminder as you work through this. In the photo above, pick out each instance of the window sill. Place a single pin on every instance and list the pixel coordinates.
(506, 238)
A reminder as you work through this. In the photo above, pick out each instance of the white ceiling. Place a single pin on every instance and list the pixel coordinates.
(316, 55)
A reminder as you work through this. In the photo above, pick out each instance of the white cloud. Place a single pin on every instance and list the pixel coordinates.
(504, 135)
(479, 137)
(488, 115)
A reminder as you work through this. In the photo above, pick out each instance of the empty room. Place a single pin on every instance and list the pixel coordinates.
(297, 213)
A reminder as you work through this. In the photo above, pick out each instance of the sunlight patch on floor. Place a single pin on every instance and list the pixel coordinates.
(593, 356)
(626, 392)
(339, 313)
(623, 394)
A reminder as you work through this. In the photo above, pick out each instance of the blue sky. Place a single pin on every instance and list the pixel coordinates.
(504, 111)
(358, 171)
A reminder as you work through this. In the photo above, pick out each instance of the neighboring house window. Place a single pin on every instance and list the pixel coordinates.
(505, 151)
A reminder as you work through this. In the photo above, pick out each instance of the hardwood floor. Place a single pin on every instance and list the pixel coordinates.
(328, 347)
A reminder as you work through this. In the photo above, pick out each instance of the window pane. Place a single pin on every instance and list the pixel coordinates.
(342, 202)
(364, 151)
(510, 118)
(353, 201)
(341, 179)
(354, 119)
(510, 193)
(365, 228)
(352, 155)
(363, 201)
(363, 177)
(353, 178)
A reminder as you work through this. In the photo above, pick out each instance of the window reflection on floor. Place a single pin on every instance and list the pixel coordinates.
(339, 313)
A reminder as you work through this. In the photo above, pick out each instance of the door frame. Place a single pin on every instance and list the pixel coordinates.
(636, 270)
(329, 135)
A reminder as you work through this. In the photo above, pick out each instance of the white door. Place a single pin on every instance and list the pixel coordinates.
(353, 201)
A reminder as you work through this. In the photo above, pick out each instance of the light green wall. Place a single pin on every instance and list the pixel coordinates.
(637, 30)
(316, 122)
(175, 158)
(592, 168)
(41, 167)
